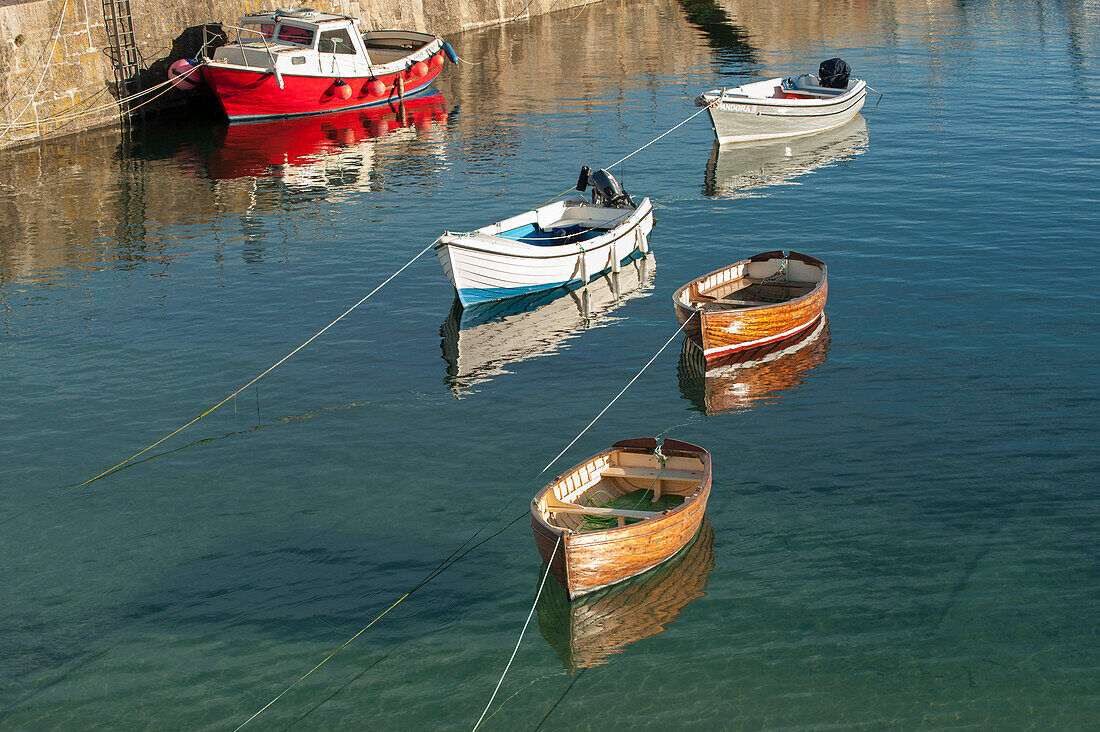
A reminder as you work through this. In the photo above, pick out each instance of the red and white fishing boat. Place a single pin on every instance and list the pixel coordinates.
(286, 63)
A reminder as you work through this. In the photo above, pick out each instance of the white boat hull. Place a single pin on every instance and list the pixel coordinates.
(484, 266)
(743, 117)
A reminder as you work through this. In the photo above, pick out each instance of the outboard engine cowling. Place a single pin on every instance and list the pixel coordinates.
(834, 73)
(605, 189)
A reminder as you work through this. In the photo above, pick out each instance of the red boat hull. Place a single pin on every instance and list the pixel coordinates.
(248, 94)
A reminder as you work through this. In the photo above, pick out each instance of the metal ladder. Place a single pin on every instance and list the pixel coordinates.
(124, 53)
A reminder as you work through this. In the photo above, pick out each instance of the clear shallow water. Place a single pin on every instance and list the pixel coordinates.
(904, 523)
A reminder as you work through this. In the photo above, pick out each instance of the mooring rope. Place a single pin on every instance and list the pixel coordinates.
(73, 113)
(49, 60)
(454, 557)
(521, 632)
(666, 132)
(252, 381)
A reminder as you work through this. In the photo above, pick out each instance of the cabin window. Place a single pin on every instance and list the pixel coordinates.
(297, 60)
(335, 41)
(295, 34)
(267, 30)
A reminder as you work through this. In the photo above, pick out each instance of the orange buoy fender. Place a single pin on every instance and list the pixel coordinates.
(436, 60)
(341, 89)
(376, 88)
(418, 69)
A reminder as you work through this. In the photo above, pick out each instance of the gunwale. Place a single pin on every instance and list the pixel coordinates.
(589, 560)
(479, 240)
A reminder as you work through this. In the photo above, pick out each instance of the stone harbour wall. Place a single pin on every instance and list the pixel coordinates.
(57, 74)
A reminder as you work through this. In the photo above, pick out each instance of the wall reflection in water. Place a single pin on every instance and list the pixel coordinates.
(592, 628)
(103, 199)
(737, 388)
(737, 170)
(480, 342)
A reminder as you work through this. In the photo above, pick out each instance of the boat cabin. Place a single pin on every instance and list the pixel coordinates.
(313, 43)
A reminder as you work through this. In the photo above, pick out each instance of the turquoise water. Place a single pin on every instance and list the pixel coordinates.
(905, 518)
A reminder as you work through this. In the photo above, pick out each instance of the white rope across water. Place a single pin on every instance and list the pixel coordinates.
(448, 563)
(666, 132)
(521, 632)
(252, 381)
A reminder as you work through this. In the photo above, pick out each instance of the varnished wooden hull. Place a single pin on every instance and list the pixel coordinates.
(735, 389)
(586, 561)
(586, 632)
(729, 337)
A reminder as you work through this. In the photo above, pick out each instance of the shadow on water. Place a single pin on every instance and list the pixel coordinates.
(729, 41)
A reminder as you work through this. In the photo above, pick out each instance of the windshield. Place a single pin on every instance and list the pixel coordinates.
(295, 34)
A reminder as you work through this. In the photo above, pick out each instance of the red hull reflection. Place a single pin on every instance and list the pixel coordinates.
(254, 148)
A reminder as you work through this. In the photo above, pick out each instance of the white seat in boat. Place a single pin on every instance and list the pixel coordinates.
(809, 85)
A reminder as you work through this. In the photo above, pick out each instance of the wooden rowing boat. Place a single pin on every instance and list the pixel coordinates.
(588, 558)
(754, 307)
(587, 632)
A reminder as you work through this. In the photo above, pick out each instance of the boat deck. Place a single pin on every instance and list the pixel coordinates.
(652, 489)
(560, 233)
(749, 292)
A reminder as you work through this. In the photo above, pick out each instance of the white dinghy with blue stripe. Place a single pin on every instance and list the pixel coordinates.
(567, 243)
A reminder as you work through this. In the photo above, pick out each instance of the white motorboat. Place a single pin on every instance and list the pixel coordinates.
(567, 243)
(784, 107)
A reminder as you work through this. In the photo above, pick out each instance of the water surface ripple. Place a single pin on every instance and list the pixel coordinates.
(905, 519)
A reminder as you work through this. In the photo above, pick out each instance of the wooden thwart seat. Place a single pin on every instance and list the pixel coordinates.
(600, 511)
(631, 471)
(555, 506)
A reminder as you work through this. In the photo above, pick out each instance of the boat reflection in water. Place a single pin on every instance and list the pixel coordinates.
(587, 631)
(302, 148)
(737, 388)
(480, 341)
(736, 170)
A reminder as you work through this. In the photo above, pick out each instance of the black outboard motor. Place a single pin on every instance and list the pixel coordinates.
(605, 189)
(834, 73)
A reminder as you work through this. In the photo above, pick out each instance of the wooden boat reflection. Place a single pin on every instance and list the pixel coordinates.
(271, 147)
(737, 170)
(591, 629)
(480, 342)
(753, 307)
(655, 493)
(737, 388)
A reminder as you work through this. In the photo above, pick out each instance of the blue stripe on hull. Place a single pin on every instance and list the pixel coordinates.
(470, 296)
(473, 296)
